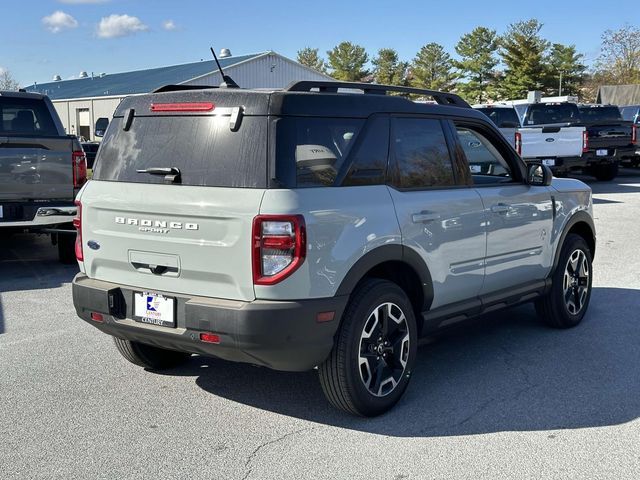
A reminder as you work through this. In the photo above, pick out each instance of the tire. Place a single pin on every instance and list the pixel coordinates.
(606, 172)
(66, 248)
(147, 356)
(565, 305)
(347, 376)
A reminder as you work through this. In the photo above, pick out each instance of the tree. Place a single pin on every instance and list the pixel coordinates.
(565, 71)
(432, 68)
(347, 62)
(477, 52)
(619, 61)
(523, 53)
(310, 58)
(7, 82)
(388, 69)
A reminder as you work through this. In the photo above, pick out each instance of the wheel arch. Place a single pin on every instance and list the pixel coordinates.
(581, 224)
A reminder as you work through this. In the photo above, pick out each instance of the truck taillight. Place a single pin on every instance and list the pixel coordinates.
(79, 160)
(585, 141)
(77, 223)
(634, 134)
(279, 247)
(518, 143)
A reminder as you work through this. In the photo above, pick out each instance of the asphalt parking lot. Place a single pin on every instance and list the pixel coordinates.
(503, 398)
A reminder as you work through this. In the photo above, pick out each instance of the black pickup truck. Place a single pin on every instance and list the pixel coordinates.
(609, 139)
(41, 170)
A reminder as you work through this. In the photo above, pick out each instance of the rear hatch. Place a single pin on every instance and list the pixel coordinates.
(549, 130)
(35, 159)
(191, 234)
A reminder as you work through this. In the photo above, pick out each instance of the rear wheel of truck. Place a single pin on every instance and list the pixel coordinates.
(66, 248)
(566, 303)
(375, 349)
(605, 172)
(147, 356)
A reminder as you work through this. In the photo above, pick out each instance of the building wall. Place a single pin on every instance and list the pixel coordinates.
(98, 107)
(269, 71)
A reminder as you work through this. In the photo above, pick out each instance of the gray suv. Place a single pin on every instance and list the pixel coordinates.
(326, 225)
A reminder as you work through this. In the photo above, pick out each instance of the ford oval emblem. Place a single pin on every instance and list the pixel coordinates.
(93, 245)
(550, 139)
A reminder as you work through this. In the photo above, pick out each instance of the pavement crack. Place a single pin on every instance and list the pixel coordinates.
(247, 465)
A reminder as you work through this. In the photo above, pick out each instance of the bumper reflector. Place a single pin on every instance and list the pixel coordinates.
(210, 337)
(325, 317)
(97, 317)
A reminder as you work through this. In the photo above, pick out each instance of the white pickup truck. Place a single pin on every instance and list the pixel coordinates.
(504, 117)
(549, 135)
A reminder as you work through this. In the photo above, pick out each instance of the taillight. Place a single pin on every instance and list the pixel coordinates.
(182, 107)
(634, 134)
(519, 143)
(77, 223)
(279, 247)
(79, 160)
(585, 141)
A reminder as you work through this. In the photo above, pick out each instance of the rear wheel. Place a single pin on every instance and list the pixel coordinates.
(147, 356)
(370, 365)
(567, 302)
(605, 172)
(66, 248)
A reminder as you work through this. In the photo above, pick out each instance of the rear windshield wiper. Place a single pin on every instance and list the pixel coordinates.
(171, 174)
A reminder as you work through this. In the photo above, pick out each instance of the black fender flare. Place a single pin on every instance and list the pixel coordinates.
(578, 217)
(386, 253)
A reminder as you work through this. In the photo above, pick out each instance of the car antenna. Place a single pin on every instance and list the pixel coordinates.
(227, 81)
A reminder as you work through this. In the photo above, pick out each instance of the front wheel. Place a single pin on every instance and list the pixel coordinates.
(567, 302)
(370, 365)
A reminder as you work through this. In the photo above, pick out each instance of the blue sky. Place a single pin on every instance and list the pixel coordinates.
(41, 38)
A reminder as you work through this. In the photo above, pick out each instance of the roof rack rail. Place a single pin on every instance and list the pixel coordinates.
(441, 98)
(177, 88)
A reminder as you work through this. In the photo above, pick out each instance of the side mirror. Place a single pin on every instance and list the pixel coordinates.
(101, 125)
(539, 175)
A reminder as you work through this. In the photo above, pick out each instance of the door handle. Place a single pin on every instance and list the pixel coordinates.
(425, 216)
(500, 208)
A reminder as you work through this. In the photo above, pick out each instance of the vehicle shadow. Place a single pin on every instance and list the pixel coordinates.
(505, 372)
(628, 181)
(30, 262)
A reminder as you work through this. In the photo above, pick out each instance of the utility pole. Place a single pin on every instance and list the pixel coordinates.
(560, 87)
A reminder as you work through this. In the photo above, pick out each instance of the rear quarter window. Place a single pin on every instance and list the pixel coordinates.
(26, 116)
(203, 148)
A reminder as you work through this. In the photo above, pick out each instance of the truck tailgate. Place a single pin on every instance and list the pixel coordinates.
(34, 168)
(551, 141)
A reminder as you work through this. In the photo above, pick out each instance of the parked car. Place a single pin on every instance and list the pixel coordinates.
(550, 135)
(90, 149)
(41, 170)
(308, 227)
(611, 140)
(631, 113)
(504, 117)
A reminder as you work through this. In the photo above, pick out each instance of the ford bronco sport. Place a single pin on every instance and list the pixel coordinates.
(324, 225)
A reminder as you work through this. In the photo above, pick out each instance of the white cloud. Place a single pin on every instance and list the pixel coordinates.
(120, 26)
(80, 2)
(169, 25)
(58, 21)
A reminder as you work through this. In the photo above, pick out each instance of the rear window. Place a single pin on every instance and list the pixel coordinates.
(543, 113)
(203, 148)
(630, 114)
(26, 116)
(502, 117)
(316, 146)
(600, 114)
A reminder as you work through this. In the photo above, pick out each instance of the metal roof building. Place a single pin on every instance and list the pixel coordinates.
(81, 102)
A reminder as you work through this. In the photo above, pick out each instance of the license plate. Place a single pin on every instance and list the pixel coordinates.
(154, 308)
(602, 152)
(549, 162)
(475, 168)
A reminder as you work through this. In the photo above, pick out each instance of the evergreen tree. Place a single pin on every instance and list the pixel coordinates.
(432, 68)
(347, 62)
(388, 69)
(477, 52)
(523, 53)
(310, 58)
(565, 70)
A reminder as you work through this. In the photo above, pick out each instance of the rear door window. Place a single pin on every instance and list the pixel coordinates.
(600, 114)
(203, 148)
(420, 154)
(26, 116)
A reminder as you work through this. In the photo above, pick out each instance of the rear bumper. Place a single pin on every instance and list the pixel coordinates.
(283, 335)
(562, 164)
(32, 216)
